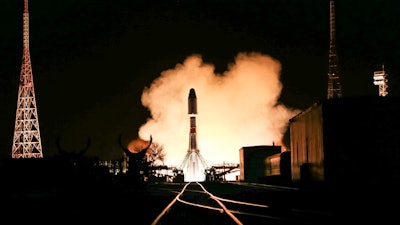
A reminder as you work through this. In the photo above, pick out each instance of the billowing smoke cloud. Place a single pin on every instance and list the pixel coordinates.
(237, 108)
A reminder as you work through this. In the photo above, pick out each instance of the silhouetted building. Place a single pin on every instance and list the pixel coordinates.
(347, 141)
(253, 161)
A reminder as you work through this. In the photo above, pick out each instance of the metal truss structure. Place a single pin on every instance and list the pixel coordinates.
(27, 141)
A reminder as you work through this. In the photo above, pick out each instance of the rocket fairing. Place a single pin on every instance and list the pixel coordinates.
(192, 102)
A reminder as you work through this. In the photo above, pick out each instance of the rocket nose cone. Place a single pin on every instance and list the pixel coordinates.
(192, 93)
(192, 102)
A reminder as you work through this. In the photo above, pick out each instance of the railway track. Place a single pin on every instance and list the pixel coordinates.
(197, 203)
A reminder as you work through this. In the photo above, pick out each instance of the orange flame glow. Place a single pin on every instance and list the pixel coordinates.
(136, 146)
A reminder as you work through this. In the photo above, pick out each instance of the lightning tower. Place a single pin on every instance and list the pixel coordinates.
(193, 165)
(334, 87)
(26, 142)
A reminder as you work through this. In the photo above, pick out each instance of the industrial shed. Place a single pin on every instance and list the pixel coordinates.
(347, 141)
(253, 161)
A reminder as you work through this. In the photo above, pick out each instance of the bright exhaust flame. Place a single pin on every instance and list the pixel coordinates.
(237, 108)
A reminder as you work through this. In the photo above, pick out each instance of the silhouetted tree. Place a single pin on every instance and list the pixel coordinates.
(155, 154)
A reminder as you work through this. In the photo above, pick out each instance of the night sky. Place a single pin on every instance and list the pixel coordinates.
(91, 60)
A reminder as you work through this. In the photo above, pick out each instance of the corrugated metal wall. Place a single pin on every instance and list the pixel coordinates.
(306, 142)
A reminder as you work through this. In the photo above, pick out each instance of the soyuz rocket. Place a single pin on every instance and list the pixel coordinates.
(193, 165)
(192, 111)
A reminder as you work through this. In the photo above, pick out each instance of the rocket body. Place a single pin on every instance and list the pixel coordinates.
(192, 111)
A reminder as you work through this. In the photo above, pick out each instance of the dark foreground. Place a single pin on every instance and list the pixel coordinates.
(50, 195)
(110, 200)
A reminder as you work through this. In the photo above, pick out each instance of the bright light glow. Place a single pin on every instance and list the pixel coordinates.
(194, 169)
(379, 77)
(381, 81)
(237, 108)
(233, 175)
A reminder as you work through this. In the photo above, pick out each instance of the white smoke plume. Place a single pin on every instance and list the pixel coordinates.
(235, 109)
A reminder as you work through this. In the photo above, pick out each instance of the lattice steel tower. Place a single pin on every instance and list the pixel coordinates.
(334, 87)
(26, 143)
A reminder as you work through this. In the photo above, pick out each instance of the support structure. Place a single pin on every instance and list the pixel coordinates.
(334, 87)
(194, 166)
(381, 81)
(27, 141)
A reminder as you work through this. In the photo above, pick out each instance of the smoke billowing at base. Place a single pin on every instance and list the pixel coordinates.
(236, 108)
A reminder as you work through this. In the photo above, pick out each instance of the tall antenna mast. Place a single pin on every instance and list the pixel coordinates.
(26, 143)
(381, 81)
(334, 87)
